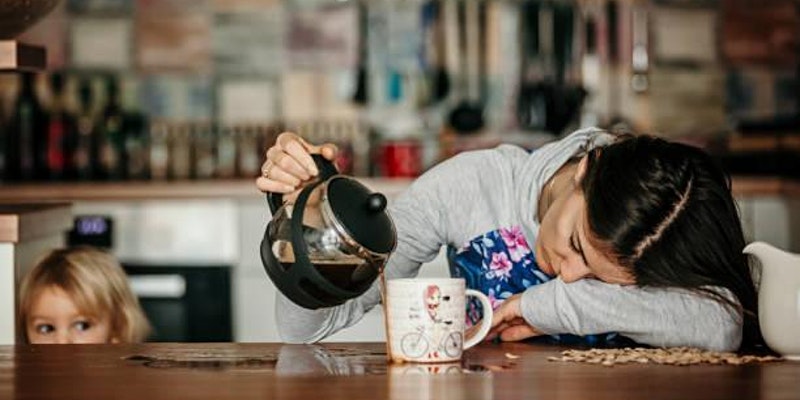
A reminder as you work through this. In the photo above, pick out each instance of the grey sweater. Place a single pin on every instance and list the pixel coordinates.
(479, 191)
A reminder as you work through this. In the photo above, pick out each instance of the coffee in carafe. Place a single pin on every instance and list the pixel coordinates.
(331, 244)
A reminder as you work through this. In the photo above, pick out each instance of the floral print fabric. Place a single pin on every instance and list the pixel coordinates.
(500, 264)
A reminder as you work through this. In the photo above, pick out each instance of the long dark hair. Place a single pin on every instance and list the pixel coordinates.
(665, 211)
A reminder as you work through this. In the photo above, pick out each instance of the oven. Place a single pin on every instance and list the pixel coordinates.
(179, 258)
(184, 303)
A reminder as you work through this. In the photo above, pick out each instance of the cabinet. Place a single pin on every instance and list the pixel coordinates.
(772, 219)
(26, 232)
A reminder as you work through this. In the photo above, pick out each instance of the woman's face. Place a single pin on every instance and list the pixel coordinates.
(54, 319)
(562, 247)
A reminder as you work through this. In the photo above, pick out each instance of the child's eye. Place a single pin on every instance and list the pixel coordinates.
(83, 325)
(44, 329)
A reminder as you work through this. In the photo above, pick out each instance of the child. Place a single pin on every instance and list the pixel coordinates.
(79, 295)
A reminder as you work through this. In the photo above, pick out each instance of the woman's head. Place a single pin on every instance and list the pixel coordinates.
(79, 295)
(654, 213)
(664, 212)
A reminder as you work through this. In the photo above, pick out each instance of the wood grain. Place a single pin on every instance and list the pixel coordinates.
(355, 371)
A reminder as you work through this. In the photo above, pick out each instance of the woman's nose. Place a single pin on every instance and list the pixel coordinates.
(574, 270)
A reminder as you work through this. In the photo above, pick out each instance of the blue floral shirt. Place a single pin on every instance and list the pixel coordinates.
(501, 263)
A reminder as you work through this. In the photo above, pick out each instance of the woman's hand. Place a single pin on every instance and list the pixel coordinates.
(289, 163)
(508, 323)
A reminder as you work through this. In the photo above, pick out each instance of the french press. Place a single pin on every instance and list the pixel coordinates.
(331, 244)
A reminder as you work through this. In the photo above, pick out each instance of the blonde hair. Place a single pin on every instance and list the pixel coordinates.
(96, 283)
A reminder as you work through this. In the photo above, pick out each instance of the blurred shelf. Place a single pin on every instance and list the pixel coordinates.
(745, 186)
(152, 190)
(755, 186)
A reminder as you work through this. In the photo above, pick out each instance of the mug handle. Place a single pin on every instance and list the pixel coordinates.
(486, 322)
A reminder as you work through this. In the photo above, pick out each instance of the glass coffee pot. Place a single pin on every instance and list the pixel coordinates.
(331, 244)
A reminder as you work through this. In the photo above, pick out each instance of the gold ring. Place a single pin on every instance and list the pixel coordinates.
(265, 170)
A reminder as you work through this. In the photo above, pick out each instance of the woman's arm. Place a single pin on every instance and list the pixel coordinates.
(653, 316)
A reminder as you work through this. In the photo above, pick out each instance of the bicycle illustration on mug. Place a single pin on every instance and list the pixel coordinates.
(420, 343)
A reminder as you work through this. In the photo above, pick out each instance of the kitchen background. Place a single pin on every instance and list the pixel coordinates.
(191, 92)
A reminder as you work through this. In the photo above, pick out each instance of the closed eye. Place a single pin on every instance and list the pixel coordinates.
(575, 245)
(572, 245)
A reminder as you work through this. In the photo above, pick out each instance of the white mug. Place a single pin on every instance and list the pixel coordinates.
(425, 319)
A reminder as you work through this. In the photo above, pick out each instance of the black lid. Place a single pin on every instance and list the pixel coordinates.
(362, 214)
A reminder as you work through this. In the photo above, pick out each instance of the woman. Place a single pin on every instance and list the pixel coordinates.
(633, 236)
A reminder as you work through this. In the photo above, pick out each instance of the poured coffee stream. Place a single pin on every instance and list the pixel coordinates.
(385, 305)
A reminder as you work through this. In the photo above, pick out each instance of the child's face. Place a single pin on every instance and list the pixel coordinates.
(55, 319)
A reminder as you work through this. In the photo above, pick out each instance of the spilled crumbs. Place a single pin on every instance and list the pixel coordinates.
(662, 356)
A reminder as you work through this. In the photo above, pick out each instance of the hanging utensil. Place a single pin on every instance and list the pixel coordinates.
(467, 117)
(532, 97)
(361, 95)
(433, 14)
(640, 60)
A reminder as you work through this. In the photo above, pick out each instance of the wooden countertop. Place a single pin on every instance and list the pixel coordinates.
(25, 221)
(355, 371)
(245, 188)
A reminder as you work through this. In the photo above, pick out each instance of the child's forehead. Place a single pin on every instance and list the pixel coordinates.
(54, 299)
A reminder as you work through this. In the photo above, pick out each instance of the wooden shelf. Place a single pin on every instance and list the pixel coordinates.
(754, 186)
(22, 222)
(17, 56)
(744, 186)
(236, 188)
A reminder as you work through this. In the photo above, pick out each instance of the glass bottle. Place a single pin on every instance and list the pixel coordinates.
(136, 147)
(61, 133)
(180, 152)
(159, 151)
(226, 153)
(26, 149)
(110, 136)
(204, 144)
(248, 160)
(85, 154)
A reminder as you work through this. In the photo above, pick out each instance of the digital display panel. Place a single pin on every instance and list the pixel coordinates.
(92, 230)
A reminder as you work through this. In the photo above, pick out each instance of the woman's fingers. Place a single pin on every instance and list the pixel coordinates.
(289, 163)
(268, 185)
(516, 333)
(329, 151)
(301, 151)
(277, 159)
(299, 159)
(512, 330)
(507, 311)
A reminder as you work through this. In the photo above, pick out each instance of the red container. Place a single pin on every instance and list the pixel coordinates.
(401, 159)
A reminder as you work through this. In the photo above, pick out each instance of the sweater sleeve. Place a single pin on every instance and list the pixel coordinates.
(652, 316)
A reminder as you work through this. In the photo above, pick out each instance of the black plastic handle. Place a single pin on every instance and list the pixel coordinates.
(326, 170)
